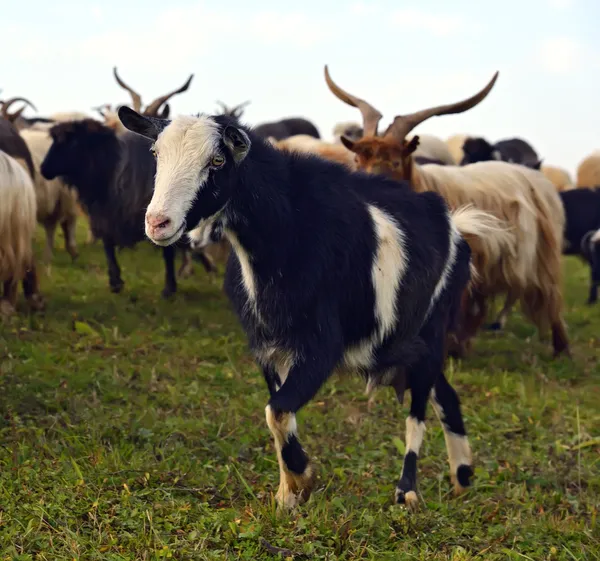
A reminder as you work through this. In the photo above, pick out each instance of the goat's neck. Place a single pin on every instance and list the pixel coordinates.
(258, 220)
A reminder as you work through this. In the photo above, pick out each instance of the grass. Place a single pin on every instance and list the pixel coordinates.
(133, 429)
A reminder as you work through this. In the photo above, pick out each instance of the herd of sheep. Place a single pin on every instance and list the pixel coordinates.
(511, 218)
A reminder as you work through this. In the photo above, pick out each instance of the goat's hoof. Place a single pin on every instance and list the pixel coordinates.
(462, 479)
(407, 498)
(168, 293)
(6, 308)
(496, 326)
(37, 302)
(116, 287)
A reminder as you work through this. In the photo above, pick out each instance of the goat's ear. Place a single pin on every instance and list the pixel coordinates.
(149, 127)
(237, 141)
(164, 114)
(411, 146)
(347, 143)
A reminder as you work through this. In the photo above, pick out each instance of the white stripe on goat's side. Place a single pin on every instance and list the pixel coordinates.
(455, 237)
(248, 280)
(390, 262)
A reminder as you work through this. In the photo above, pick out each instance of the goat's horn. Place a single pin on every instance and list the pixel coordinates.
(403, 124)
(136, 98)
(152, 109)
(370, 115)
(6, 104)
(223, 106)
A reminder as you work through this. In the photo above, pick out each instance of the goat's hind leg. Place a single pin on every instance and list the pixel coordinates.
(447, 406)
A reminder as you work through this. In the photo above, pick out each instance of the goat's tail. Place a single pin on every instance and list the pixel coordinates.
(489, 237)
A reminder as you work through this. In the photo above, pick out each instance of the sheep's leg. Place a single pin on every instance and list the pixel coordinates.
(206, 261)
(49, 249)
(297, 473)
(31, 289)
(170, 280)
(8, 302)
(595, 274)
(68, 228)
(114, 272)
(447, 406)
(186, 269)
(504, 313)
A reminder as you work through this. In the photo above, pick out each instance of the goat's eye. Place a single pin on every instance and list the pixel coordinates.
(153, 150)
(217, 161)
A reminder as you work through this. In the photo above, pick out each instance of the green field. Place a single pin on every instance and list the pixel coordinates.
(133, 429)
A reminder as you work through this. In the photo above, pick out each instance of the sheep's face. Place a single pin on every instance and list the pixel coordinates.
(386, 156)
(196, 162)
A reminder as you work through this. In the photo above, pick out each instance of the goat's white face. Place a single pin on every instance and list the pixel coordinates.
(185, 151)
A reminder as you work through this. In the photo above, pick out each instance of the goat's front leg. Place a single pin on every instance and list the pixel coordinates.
(297, 473)
(170, 280)
(49, 247)
(421, 378)
(114, 272)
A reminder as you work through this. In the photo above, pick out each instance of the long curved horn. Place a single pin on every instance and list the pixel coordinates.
(136, 98)
(370, 115)
(403, 124)
(6, 104)
(152, 109)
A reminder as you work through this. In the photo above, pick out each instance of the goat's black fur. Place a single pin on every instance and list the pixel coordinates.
(114, 178)
(582, 212)
(513, 150)
(305, 225)
(286, 128)
(13, 144)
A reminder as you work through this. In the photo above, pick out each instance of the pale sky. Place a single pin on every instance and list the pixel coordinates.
(400, 55)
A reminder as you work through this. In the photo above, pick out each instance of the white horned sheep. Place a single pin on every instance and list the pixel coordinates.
(17, 229)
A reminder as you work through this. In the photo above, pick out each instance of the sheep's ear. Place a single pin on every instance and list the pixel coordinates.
(150, 127)
(237, 141)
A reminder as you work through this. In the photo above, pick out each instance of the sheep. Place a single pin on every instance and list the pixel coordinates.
(582, 231)
(113, 175)
(529, 268)
(311, 145)
(286, 128)
(513, 150)
(455, 145)
(17, 229)
(330, 270)
(56, 203)
(588, 171)
(558, 176)
(349, 129)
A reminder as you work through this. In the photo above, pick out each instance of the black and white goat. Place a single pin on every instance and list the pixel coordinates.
(114, 177)
(582, 230)
(329, 271)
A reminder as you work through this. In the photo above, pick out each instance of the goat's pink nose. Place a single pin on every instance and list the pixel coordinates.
(157, 221)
